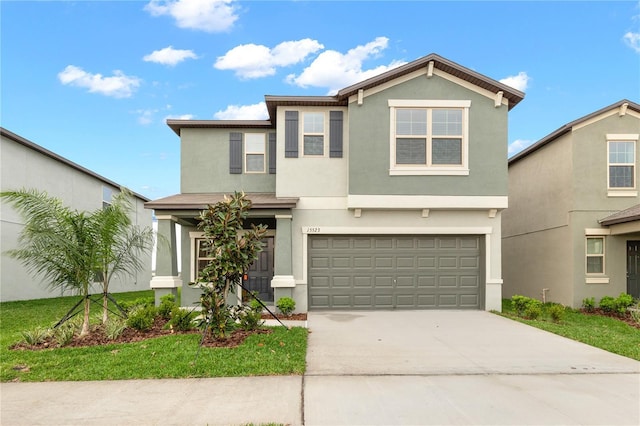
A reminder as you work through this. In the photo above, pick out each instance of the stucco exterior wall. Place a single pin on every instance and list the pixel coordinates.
(204, 164)
(369, 138)
(22, 167)
(312, 176)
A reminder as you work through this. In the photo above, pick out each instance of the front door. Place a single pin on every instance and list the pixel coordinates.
(261, 272)
(633, 268)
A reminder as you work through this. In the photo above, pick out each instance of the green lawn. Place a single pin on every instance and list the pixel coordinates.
(602, 332)
(281, 352)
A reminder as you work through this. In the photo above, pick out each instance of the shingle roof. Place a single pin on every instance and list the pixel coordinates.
(201, 201)
(628, 215)
(342, 97)
(568, 127)
(27, 143)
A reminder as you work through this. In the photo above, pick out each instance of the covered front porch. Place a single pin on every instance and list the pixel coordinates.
(271, 276)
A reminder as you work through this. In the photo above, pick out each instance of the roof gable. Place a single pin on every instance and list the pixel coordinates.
(622, 105)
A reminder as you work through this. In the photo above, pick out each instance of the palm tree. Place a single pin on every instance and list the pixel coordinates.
(121, 245)
(73, 249)
(56, 243)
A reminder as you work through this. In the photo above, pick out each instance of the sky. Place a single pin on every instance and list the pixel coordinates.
(95, 81)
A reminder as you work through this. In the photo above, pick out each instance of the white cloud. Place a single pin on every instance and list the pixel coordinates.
(119, 85)
(243, 112)
(518, 145)
(519, 82)
(145, 116)
(180, 117)
(169, 56)
(632, 40)
(254, 61)
(336, 70)
(205, 15)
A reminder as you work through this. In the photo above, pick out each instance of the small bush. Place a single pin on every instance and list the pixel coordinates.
(167, 303)
(623, 301)
(181, 319)
(608, 304)
(249, 316)
(533, 309)
(556, 312)
(114, 328)
(589, 304)
(520, 303)
(36, 336)
(141, 317)
(286, 305)
(63, 335)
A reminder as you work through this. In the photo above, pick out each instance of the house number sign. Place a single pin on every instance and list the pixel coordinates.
(313, 230)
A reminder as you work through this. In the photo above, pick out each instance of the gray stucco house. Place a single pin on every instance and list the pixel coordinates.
(572, 229)
(388, 194)
(24, 164)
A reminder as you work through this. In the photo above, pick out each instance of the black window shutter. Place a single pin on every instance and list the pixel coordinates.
(235, 153)
(291, 134)
(272, 153)
(335, 134)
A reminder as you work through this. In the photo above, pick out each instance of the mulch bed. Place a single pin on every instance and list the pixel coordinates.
(292, 317)
(97, 337)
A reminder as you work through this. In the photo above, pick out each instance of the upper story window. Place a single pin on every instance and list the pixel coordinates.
(621, 165)
(313, 133)
(254, 149)
(107, 196)
(429, 137)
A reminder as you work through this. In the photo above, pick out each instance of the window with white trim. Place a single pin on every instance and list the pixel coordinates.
(429, 137)
(622, 164)
(313, 133)
(254, 149)
(203, 257)
(595, 255)
(107, 196)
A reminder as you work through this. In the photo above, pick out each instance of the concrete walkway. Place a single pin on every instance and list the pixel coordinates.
(372, 368)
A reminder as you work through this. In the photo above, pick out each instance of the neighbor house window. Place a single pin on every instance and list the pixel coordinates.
(622, 164)
(595, 255)
(313, 133)
(107, 196)
(254, 149)
(429, 137)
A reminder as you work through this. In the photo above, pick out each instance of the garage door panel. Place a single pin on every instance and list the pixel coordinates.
(391, 272)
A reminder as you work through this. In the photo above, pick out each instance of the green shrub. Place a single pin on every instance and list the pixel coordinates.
(608, 304)
(623, 301)
(286, 305)
(249, 316)
(181, 319)
(556, 312)
(114, 328)
(36, 335)
(520, 303)
(167, 303)
(63, 335)
(142, 317)
(589, 304)
(533, 310)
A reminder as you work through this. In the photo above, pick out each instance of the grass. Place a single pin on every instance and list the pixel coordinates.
(281, 352)
(602, 332)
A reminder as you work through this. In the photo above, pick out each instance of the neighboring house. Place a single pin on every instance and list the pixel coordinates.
(572, 229)
(25, 165)
(386, 195)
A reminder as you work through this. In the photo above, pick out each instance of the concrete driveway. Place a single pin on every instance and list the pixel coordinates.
(459, 367)
(372, 368)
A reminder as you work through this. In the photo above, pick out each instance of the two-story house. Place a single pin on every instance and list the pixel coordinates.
(27, 165)
(388, 194)
(572, 229)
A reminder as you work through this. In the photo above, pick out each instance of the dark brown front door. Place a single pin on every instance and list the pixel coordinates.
(261, 272)
(633, 268)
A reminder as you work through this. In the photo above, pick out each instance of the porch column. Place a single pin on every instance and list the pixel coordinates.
(283, 282)
(166, 279)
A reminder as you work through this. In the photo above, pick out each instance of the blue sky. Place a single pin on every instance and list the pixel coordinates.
(94, 81)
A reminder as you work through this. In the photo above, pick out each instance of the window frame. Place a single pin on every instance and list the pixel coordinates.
(429, 168)
(598, 255)
(625, 138)
(305, 133)
(246, 153)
